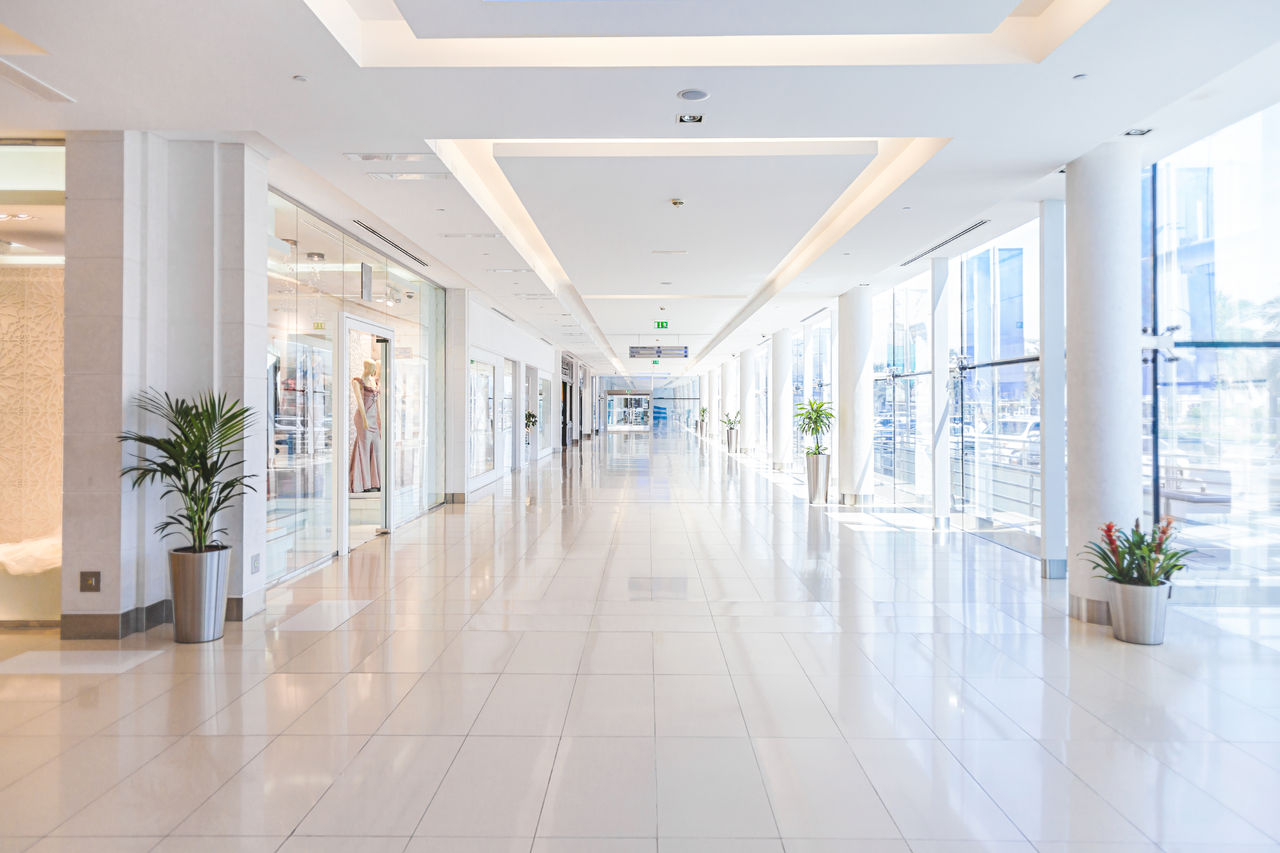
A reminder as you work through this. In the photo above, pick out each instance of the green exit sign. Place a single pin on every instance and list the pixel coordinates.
(659, 324)
(655, 361)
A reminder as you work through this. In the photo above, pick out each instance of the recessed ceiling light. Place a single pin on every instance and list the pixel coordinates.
(864, 284)
(1080, 77)
(692, 95)
(689, 118)
(1137, 131)
(665, 283)
(299, 78)
(512, 269)
(409, 176)
(669, 251)
(485, 235)
(906, 207)
(20, 217)
(409, 157)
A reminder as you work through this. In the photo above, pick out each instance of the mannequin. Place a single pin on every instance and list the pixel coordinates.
(366, 452)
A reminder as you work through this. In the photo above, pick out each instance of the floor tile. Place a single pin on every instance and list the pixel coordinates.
(385, 789)
(697, 706)
(530, 705)
(601, 787)
(711, 788)
(818, 790)
(494, 788)
(611, 705)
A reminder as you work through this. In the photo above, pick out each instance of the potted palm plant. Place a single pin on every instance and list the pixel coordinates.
(731, 430)
(530, 423)
(815, 418)
(195, 463)
(1139, 566)
(702, 420)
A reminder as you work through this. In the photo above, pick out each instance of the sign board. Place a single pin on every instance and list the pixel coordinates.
(655, 361)
(659, 352)
(659, 324)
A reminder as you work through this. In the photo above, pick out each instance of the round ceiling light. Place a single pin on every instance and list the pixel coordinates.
(692, 95)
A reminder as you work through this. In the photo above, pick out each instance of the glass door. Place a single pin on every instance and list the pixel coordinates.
(508, 415)
(481, 380)
(368, 458)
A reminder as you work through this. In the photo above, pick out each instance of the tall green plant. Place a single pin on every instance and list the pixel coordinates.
(815, 418)
(1135, 557)
(194, 461)
(530, 420)
(732, 421)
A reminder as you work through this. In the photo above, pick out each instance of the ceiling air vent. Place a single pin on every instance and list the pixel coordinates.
(391, 243)
(929, 251)
(503, 315)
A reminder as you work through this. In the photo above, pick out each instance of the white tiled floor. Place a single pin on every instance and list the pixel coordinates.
(648, 646)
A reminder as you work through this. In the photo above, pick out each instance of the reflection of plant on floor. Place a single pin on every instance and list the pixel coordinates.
(814, 418)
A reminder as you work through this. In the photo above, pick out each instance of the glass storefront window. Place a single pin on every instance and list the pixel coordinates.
(481, 382)
(1211, 281)
(314, 279)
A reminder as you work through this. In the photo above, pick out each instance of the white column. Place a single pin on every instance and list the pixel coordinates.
(165, 289)
(940, 394)
(748, 433)
(726, 395)
(1053, 389)
(1104, 363)
(784, 414)
(856, 423)
(455, 395)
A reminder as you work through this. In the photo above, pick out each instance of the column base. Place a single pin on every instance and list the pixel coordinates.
(1053, 569)
(856, 500)
(115, 626)
(1090, 610)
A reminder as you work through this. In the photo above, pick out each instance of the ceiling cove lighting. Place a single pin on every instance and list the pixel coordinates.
(410, 176)
(689, 118)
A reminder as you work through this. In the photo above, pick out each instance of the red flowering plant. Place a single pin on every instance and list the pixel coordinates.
(1137, 557)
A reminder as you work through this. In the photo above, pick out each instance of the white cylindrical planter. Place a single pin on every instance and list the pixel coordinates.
(782, 406)
(855, 421)
(749, 433)
(1104, 361)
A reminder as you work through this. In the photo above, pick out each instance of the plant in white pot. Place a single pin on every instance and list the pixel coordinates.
(815, 418)
(702, 420)
(731, 430)
(530, 423)
(1138, 566)
(195, 462)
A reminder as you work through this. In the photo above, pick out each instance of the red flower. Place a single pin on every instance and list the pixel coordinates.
(1109, 537)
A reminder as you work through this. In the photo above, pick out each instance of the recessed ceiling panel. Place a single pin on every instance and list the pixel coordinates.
(612, 223)
(523, 18)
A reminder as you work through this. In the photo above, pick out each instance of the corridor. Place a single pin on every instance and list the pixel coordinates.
(647, 645)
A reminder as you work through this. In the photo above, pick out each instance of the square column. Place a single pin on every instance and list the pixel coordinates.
(166, 289)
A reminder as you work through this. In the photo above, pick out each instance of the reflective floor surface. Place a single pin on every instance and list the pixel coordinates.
(648, 646)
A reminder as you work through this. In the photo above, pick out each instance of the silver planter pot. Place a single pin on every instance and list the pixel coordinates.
(1137, 612)
(731, 440)
(818, 470)
(199, 594)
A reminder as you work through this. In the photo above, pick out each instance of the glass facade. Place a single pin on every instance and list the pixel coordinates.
(482, 414)
(901, 392)
(1212, 449)
(995, 452)
(317, 278)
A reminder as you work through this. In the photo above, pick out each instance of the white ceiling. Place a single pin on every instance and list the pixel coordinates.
(226, 70)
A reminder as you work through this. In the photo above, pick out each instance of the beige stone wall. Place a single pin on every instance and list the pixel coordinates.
(31, 338)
